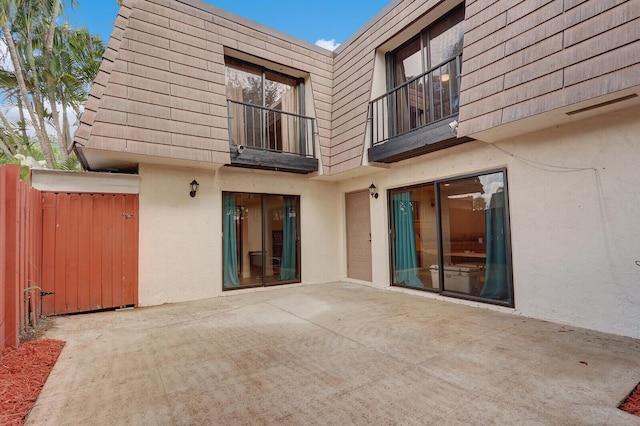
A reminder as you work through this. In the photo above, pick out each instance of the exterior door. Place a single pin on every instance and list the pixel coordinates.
(358, 235)
(90, 252)
(261, 239)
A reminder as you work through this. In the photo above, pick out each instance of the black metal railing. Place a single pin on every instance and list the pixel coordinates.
(428, 98)
(269, 129)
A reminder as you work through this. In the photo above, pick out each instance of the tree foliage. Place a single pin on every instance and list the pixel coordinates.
(50, 67)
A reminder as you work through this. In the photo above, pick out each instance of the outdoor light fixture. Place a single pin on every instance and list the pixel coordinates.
(373, 191)
(454, 127)
(194, 188)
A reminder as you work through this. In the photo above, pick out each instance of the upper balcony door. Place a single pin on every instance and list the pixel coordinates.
(265, 118)
(424, 81)
(425, 74)
(423, 77)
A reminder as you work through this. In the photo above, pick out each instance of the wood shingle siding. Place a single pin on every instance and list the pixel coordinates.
(161, 86)
(523, 58)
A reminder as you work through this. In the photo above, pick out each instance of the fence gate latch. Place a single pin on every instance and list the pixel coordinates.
(127, 215)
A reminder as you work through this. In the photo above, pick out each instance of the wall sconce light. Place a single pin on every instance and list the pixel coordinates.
(194, 188)
(373, 191)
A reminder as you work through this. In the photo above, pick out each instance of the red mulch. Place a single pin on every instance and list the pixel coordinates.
(23, 372)
(632, 403)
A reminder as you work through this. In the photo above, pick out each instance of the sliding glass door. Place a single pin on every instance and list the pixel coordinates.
(453, 237)
(261, 243)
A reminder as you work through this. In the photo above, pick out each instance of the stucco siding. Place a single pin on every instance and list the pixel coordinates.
(180, 236)
(572, 190)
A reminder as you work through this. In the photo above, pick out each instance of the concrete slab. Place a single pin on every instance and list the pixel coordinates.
(334, 353)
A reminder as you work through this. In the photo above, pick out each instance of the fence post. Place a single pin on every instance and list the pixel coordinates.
(9, 247)
(34, 254)
(3, 257)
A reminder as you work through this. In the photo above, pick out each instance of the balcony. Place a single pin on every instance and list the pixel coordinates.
(271, 139)
(413, 118)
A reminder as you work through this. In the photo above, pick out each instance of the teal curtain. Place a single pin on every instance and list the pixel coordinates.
(288, 262)
(230, 257)
(497, 278)
(405, 258)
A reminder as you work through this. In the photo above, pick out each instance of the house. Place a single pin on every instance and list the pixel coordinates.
(479, 152)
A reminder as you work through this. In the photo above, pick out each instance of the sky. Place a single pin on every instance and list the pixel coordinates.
(311, 21)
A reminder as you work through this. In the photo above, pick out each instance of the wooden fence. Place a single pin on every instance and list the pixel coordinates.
(20, 256)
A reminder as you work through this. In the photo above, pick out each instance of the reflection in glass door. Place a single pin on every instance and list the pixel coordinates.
(475, 237)
(415, 245)
(452, 237)
(260, 240)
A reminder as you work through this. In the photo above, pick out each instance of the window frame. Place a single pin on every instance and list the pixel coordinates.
(424, 35)
(435, 184)
(300, 86)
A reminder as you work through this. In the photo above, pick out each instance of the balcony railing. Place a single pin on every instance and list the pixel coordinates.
(268, 129)
(426, 99)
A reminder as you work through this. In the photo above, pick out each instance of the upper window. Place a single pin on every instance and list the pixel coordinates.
(264, 108)
(254, 85)
(435, 45)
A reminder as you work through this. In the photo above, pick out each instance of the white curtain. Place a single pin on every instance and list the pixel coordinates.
(290, 137)
(238, 127)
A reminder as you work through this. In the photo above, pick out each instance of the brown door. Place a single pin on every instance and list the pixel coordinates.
(358, 235)
(90, 252)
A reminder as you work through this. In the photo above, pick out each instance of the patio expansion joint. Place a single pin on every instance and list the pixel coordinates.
(371, 348)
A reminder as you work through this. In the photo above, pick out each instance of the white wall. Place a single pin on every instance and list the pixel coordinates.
(180, 236)
(574, 194)
(576, 228)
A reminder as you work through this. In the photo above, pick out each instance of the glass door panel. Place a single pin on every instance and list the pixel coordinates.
(463, 235)
(273, 231)
(474, 238)
(242, 242)
(426, 229)
(281, 239)
(415, 246)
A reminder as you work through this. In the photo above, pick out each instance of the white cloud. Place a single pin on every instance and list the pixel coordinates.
(328, 44)
(5, 59)
(12, 114)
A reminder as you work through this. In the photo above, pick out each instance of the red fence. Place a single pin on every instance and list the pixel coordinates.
(90, 251)
(20, 255)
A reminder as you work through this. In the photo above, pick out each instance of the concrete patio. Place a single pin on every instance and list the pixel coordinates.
(334, 353)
